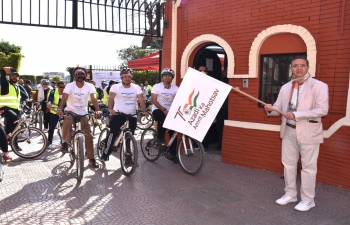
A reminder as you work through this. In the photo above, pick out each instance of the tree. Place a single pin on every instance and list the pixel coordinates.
(56, 78)
(8, 48)
(152, 29)
(133, 52)
(10, 55)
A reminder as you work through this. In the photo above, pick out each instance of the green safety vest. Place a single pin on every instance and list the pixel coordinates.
(56, 99)
(105, 98)
(12, 99)
(97, 97)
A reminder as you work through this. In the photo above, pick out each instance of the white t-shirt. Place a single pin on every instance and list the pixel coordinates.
(125, 98)
(164, 96)
(78, 97)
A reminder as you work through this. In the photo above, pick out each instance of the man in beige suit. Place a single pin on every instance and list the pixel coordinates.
(304, 101)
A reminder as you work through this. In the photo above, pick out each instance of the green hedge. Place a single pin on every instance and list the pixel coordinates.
(141, 75)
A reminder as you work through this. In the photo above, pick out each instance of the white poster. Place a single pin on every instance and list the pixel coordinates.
(196, 104)
(99, 76)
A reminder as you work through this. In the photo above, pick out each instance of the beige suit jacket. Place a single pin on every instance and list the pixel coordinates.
(312, 106)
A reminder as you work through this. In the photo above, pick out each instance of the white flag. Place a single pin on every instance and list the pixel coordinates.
(196, 104)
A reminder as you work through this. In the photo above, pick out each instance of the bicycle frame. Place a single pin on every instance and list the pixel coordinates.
(183, 137)
(123, 130)
(76, 135)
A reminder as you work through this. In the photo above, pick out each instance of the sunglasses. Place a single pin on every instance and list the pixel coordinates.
(45, 84)
(60, 87)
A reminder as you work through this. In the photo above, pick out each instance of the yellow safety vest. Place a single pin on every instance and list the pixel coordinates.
(97, 96)
(105, 98)
(12, 99)
(56, 99)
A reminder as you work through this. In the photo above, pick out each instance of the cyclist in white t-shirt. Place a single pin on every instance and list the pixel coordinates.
(122, 98)
(78, 93)
(163, 95)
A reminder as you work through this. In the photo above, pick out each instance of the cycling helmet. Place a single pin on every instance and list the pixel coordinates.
(168, 71)
(126, 71)
(77, 70)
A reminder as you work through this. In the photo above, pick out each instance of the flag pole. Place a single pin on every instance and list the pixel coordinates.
(255, 99)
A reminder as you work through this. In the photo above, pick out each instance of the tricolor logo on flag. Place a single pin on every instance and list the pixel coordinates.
(192, 102)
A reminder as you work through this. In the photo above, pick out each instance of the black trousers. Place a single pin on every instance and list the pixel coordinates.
(116, 122)
(52, 125)
(160, 117)
(11, 115)
(46, 116)
(3, 139)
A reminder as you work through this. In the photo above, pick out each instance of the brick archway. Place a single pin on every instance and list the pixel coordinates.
(203, 39)
(279, 29)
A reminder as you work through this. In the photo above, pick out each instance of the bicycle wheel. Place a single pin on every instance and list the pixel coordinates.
(59, 129)
(79, 158)
(149, 145)
(22, 137)
(129, 155)
(40, 119)
(102, 138)
(144, 122)
(35, 142)
(192, 160)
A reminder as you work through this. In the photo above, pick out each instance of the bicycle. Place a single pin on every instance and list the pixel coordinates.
(36, 115)
(127, 142)
(76, 146)
(97, 122)
(25, 140)
(144, 122)
(190, 152)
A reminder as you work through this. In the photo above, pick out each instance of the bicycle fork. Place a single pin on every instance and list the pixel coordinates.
(184, 144)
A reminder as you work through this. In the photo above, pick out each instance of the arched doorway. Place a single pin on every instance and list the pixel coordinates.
(213, 56)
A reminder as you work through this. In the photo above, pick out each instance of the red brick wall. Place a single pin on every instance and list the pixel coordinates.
(238, 22)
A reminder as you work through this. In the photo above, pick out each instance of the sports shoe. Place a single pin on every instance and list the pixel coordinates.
(93, 164)
(173, 158)
(128, 161)
(7, 157)
(64, 147)
(45, 130)
(160, 141)
(305, 206)
(285, 199)
(104, 157)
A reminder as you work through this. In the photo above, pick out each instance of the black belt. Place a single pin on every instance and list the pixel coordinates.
(291, 125)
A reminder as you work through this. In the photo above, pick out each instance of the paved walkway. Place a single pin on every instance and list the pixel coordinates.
(44, 191)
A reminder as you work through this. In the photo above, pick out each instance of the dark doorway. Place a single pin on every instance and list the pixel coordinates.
(214, 58)
(208, 56)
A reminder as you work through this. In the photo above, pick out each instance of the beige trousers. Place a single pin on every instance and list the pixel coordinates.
(291, 149)
(85, 126)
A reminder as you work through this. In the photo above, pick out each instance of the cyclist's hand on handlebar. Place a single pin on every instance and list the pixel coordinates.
(112, 112)
(60, 114)
(98, 114)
